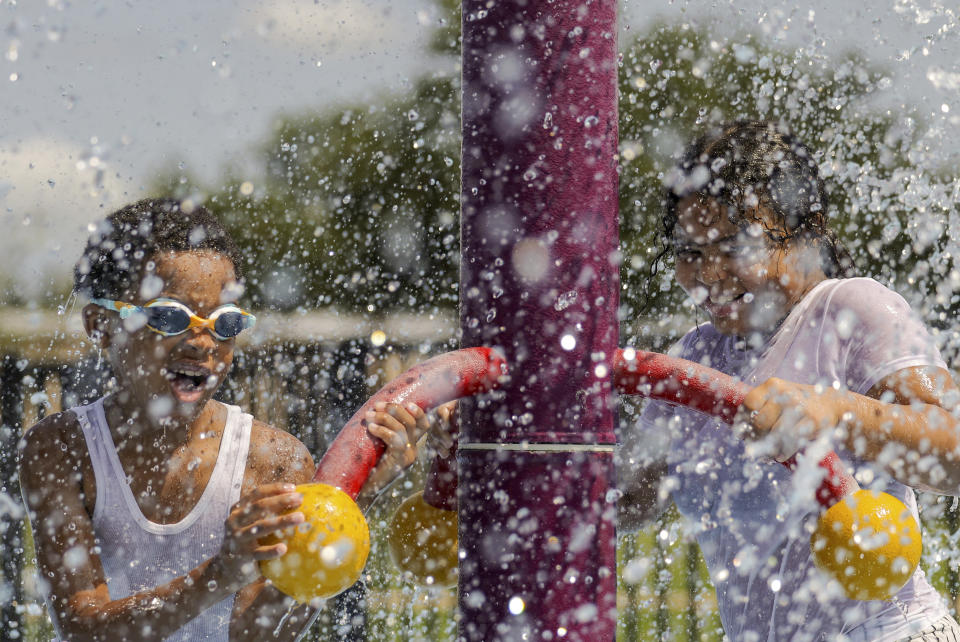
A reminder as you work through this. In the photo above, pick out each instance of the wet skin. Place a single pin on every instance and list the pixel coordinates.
(167, 431)
(747, 284)
(744, 280)
(751, 283)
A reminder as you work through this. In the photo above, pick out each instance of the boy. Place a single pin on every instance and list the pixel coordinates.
(148, 505)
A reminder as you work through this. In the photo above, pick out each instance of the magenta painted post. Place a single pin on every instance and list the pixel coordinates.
(539, 282)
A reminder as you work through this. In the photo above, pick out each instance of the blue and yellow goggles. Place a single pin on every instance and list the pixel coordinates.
(170, 318)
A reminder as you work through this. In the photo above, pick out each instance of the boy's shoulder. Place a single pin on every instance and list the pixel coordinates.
(53, 442)
(276, 455)
(52, 430)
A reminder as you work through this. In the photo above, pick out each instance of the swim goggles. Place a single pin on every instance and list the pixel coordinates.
(170, 318)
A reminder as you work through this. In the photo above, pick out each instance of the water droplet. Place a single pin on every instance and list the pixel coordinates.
(565, 300)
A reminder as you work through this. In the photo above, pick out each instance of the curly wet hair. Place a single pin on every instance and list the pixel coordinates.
(118, 249)
(744, 164)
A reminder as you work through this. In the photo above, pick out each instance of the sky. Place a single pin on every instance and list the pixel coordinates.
(98, 96)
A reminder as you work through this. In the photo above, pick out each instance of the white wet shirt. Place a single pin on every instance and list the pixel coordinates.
(751, 516)
(138, 554)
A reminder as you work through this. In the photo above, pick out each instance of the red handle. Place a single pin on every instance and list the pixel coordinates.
(690, 384)
(461, 373)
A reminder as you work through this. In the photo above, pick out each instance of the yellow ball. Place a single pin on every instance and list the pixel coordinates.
(869, 542)
(326, 554)
(423, 542)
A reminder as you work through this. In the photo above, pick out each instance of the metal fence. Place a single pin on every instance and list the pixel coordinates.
(307, 374)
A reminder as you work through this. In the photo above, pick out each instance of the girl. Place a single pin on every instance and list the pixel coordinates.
(148, 505)
(831, 358)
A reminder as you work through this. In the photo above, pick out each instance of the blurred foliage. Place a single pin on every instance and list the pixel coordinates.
(446, 37)
(358, 206)
(675, 80)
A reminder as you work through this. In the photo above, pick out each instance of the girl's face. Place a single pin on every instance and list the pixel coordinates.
(744, 280)
(172, 377)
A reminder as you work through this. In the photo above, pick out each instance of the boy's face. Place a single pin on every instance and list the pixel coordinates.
(743, 279)
(172, 376)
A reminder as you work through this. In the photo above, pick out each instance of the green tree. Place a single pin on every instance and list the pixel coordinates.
(676, 79)
(359, 205)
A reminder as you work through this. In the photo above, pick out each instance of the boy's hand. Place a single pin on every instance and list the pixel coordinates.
(260, 512)
(400, 428)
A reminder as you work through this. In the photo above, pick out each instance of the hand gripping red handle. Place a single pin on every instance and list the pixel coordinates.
(675, 381)
(690, 384)
(461, 373)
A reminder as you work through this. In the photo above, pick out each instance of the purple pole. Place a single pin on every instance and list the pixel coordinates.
(539, 281)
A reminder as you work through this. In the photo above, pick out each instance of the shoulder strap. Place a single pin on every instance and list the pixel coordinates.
(237, 440)
(96, 445)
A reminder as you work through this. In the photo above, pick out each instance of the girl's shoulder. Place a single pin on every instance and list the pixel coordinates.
(698, 341)
(861, 290)
(867, 299)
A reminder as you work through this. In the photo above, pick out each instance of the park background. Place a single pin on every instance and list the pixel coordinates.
(326, 134)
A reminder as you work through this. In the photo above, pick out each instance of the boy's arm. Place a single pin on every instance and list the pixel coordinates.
(907, 418)
(274, 456)
(67, 556)
(279, 456)
(641, 466)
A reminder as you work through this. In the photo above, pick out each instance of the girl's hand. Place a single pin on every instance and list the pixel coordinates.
(261, 512)
(440, 437)
(781, 417)
(400, 428)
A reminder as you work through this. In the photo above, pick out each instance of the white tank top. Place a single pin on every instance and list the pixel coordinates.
(749, 515)
(138, 554)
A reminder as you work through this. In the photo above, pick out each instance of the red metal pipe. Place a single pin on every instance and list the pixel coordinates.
(680, 382)
(354, 453)
(690, 384)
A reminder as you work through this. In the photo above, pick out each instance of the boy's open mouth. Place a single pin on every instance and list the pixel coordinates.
(188, 382)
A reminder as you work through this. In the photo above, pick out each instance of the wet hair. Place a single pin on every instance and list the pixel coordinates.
(122, 244)
(749, 163)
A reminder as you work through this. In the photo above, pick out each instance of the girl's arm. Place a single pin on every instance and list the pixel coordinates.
(641, 501)
(907, 423)
(67, 554)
